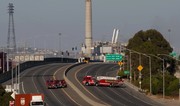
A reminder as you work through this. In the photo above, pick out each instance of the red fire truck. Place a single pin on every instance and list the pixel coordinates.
(103, 81)
(56, 83)
(89, 80)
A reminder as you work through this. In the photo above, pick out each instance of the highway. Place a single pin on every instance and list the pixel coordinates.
(33, 81)
(122, 96)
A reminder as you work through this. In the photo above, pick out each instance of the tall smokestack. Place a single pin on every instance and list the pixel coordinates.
(88, 29)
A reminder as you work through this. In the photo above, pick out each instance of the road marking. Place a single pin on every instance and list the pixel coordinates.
(70, 97)
(137, 97)
(34, 82)
(23, 88)
(127, 92)
(51, 90)
(63, 89)
(87, 99)
(84, 87)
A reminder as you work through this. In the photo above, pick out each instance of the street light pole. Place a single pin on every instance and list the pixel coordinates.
(169, 30)
(130, 68)
(59, 43)
(150, 75)
(3, 60)
(163, 81)
(132, 51)
(140, 72)
(163, 73)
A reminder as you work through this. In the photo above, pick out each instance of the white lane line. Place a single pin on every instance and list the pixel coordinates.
(70, 97)
(51, 90)
(44, 80)
(86, 98)
(84, 87)
(23, 88)
(106, 94)
(34, 82)
(129, 93)
(64, 90)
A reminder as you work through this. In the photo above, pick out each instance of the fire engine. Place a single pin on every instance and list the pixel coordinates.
(89, 80)
(56, 84)
(103, 81)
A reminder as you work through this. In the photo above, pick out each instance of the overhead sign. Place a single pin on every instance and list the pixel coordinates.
(23, 58)
(114, 57)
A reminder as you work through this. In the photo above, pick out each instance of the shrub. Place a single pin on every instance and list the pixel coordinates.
(173, 87)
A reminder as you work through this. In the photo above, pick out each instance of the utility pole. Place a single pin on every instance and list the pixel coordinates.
(163, 70)
(59, 43)
(11, 41)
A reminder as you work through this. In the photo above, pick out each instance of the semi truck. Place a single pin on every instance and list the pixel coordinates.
(103, 81)
(29, 100)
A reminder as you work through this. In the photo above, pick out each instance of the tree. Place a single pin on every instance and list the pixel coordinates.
(152, 42)
(148, 42)
(5, 97)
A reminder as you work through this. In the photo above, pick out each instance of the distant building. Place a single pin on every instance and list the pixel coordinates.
(100, 49)
(3, 58)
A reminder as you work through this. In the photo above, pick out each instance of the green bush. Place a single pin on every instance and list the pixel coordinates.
(146, 83)
(4, 97)
(173, 87)
(155, 85)
(121, 73)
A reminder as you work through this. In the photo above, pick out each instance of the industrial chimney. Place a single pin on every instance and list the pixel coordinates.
(88, 28)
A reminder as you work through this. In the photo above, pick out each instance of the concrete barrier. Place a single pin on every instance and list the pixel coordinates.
(87, 99)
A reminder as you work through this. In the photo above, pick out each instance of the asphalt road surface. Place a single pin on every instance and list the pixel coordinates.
(119, 96)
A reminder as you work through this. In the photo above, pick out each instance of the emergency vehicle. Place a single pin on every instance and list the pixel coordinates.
(103, 81)
(56, 83)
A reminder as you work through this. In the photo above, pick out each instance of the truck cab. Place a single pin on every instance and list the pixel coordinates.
(60, 83)
(56, 83)
(37, 101)
(51, 84)
(88, 80)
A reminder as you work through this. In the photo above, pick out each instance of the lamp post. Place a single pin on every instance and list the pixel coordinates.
(140, 75)
(179, 72)
(132, 51)
(169, 30)
(163, 73)
(130, 67)
(150, 74)
(59, 43)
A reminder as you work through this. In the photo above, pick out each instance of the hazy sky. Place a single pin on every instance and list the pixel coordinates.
(39, 22)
